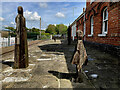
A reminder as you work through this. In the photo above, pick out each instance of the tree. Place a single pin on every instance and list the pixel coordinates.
(35, 30)
(57, 28)
(51, 29)
(61, 29)
(11, 28)
(13, 31)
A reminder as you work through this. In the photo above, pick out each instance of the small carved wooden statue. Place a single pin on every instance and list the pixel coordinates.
(80, 56)
(21, 47)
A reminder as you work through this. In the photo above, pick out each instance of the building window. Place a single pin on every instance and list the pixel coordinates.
(105, 20)
(91, 26)
(104, 23)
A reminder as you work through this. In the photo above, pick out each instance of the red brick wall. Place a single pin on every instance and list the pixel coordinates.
(80, 26)
(95, 9)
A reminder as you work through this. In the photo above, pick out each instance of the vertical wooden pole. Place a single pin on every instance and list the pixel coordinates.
(21, 47)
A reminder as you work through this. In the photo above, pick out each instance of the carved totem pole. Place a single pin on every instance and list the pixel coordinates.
(21, 47)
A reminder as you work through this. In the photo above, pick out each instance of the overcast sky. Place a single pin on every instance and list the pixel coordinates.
(50, 13)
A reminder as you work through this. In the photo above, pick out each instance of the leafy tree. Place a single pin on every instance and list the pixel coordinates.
(51, 29)
(13, 31)
(27, 29)
(11, 28)
(58, 29)
(61, 29)
(35, 30)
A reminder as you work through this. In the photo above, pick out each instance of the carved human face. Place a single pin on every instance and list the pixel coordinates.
(80, 34)
(20, 10)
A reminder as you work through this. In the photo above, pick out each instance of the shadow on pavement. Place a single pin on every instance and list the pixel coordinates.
(61, 75)
(68, 51)
(9, 63)
(51, 48)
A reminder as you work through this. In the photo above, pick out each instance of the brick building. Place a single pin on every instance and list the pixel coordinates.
(100, 23)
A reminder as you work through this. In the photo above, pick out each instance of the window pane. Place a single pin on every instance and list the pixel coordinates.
(92, 20)
(105, 26)
(92, 25)
(105, 13)
(91, 29)
(105, 20)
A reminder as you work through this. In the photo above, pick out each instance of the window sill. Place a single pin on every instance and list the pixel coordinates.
(90, 35)
(102, 35)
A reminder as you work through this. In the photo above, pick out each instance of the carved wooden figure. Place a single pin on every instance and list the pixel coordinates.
(21, 47)
(80, 56)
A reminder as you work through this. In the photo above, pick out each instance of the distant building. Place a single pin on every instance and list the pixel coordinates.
(100, 23)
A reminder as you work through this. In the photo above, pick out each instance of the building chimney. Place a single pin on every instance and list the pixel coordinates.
(83, 9)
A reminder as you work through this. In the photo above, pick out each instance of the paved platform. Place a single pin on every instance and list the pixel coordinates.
(50, 67)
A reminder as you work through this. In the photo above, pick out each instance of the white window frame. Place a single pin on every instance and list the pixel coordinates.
(91, 26)
(103, 23)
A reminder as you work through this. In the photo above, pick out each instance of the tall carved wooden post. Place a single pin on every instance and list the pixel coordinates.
(21, 47)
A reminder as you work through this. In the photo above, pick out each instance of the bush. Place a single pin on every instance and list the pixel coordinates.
(43, 37)
(32, 35)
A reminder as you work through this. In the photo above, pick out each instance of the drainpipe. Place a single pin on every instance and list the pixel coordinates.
(84, 25)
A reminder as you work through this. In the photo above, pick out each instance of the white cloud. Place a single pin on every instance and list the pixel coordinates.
(31, 16)
(2, 19)
(59, 14)
(43, 5)
(12, 23)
